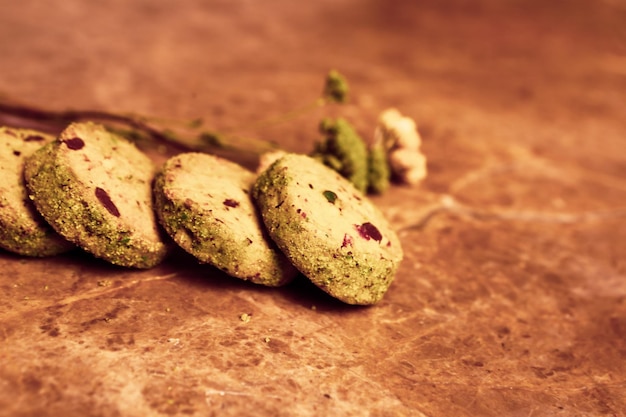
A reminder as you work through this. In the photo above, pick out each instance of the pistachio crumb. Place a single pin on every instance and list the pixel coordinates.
(330, 196)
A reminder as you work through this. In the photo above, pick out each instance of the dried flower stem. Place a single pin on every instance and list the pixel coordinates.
(188, 136)
(342, 149)
(202, 141)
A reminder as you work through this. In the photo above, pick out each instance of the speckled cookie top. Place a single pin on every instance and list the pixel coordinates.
(94, 187)
(117, 173)
(329, 230)
(15, 145)
(204, 203)
(22, 230)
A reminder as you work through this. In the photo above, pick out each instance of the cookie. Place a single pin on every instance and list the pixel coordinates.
(95, 189)
(22, 229)
(204, 204)
(328, 229)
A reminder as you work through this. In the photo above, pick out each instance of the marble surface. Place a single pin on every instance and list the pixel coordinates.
(511, 300)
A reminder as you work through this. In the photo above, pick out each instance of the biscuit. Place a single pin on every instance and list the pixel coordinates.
(328, 229)
(22, 229)
(204, 204)
(95, 189)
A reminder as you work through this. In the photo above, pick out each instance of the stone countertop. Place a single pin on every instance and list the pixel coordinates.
(511, 300)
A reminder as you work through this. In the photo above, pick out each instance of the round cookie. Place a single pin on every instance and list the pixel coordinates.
(204, 203)
(22, 229)
(95, 189)
(330, 231)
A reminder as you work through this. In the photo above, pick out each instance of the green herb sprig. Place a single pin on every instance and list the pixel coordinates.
(340, 148)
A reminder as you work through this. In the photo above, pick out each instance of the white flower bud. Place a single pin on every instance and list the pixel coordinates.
(402, 142)
(398, 131)
(415, 175)
(408, 165)
(406, 134)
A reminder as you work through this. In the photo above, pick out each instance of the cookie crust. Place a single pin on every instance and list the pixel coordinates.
(328, 229)
(204, 204)
(22, 229)
(94, 188)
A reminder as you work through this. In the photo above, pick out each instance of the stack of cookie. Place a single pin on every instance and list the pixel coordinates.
(92, 189)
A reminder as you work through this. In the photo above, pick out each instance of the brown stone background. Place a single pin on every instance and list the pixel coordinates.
(511, 298)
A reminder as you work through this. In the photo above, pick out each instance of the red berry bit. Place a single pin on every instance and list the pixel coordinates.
(74, 143)
(369, 231)
(106, 201)
(347, 241)
(231, 203)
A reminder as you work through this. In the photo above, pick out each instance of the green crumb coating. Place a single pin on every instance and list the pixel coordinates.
(328, 229)
(94, 188)
(204, 204)
(336, 87)
(379, 173)
(344, 151)
(22, 229)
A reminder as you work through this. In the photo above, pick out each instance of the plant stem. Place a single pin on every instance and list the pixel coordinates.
(196, 141)
(188, 136)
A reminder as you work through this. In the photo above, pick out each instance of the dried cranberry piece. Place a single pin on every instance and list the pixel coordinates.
(74, 143)
(106, 201)
(369, 231)
(231, 203)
